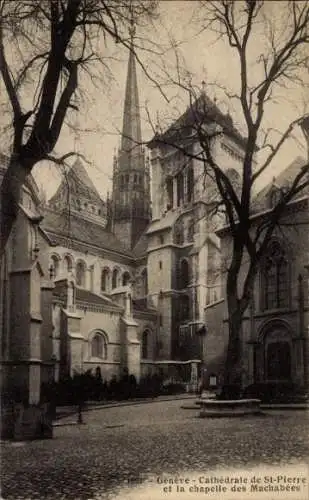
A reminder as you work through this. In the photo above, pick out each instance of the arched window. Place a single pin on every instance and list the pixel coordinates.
(180, 189)
(104, 280)
(145, 344)
(55, 264)
(184, 308)
(126, 278)
(179, 233)
(81, 274)
(183, 274)
(191, 230)
(169, 190)
(98, 346)
(67, 264)
(115, 278)
(190, 184)
(275, 278)
(145, 282)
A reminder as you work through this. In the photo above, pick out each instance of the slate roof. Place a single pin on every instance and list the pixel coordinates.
(58, 225)
(77, 182)
(203, 110)
(140, 249)
(83, 295)
(141, 306)
(283, 180)
(164, 222)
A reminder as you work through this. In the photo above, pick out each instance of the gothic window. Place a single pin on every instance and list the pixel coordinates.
(191, 230)
(81, 274)
(170, 194)
(184, 308)
(126, 278)
(275, 278)
(104, 279)
(67, 264)
(179, 233)
(115, 278)
(145, 282)
(145, 344)
(180, 189)
(183, 274)
(99, 346)
(190, 184)
(127, 179)
(55, 264)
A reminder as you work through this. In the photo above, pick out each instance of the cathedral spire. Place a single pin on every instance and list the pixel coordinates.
(131, 129)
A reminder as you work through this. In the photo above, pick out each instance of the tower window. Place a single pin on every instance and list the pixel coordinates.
(104, 280)
(145, 344)
(183, 274)
(126, 278)
(180, 189)
(169, 190)
(275, 278)
(81, 274)
(160, 264)
(190, 184)
(55, 264)
(115, 278)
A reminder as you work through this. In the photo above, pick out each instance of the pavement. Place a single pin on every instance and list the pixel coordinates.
(66, 411)
(128, 451)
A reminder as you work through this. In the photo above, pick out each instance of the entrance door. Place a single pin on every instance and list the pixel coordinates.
(279, 361)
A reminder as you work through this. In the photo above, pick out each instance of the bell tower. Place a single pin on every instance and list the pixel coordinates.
(131, 181)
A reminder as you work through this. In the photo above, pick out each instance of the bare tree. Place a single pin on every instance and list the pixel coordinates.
(45, 46)
(284, 60)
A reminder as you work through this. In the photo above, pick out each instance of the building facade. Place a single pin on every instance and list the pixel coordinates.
(275, 330)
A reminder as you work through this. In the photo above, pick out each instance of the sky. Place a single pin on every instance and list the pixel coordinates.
(204, 56)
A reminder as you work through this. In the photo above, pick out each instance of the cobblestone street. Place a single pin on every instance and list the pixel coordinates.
(119, 448)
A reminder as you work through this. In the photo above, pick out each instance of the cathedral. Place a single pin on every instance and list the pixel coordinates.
(132, 282)
(122, 282)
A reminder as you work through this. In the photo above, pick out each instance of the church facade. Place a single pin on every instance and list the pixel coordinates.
(134, 282)
(275, 330)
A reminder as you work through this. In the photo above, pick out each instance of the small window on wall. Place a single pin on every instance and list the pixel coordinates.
(126, 279)
(115, 278)
(98, 346)
(160, 264)
(145, 344)
(81, 274)
(55, 264)
(104, 280)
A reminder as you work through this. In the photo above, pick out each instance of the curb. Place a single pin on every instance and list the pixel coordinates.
(128, 403)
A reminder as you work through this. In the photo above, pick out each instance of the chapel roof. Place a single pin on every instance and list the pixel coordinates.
(68, 225)
(282, 181)
(78, 183)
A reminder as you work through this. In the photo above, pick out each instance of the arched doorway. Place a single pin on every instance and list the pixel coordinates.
(278, 361)
(277, 353)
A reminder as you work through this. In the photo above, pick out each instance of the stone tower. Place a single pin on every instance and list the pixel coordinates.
(131, 183)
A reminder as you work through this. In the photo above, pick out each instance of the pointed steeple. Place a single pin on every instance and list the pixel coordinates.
(131, 129)
(131, 177)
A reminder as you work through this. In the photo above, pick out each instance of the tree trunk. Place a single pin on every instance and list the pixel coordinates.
(10, 192)
(232, 374)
